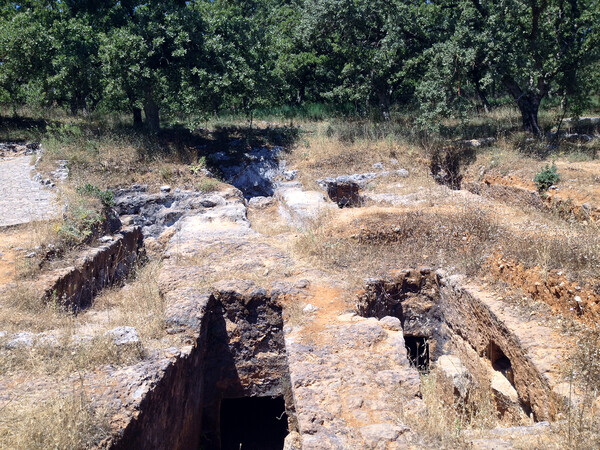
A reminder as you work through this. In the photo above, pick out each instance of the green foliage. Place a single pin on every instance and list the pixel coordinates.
(527, 49)
(173, 61)
(196, 169)
(80, 224)
(106, 197)
(546, 178)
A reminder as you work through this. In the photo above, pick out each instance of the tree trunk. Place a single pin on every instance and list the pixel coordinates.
(137, 116)
(529, 106)
(301, 94)
(484, 101)
(151, 112)
(528, 103)
(384, 100)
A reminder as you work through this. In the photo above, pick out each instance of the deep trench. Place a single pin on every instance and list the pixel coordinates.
(231, 391)
(247, 403)
(253, 423)
(416, 301)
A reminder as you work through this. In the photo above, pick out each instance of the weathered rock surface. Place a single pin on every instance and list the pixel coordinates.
(455, 380)
(361, 179)
(156, 212)
(298, 206)
(532, 349)
(350, 379)
(518, 358)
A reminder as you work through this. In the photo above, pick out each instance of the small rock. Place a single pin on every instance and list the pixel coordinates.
(30, 255)
(165, 188)
(124, 336)
(105, 239)
(378, 166)
(402, 173)
(292, 441)
(302, 284)
(23, 339)
(309, 309)
(379, 435)
(208, 203)
(290, 175)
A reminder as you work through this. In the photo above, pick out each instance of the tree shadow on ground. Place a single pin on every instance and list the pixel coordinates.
(21, 128)
(183, 145)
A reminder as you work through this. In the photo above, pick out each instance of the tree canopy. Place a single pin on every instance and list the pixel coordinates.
(196, 58)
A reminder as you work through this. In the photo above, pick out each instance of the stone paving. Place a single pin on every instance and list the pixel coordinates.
(22, 199)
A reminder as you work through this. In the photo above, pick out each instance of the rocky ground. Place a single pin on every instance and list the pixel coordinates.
(387, 310)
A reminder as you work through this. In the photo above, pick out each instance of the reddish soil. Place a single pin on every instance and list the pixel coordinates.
(579, 300)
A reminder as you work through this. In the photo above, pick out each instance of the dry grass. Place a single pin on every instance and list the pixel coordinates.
(378, 243)
(111, 157)
(582, 412)
(444, 423)
(70, 344)
(76, 342)
(322, 154)
(138, 304)
(66, 355)
(575, 250)
(21, 309)
(269, 222)
(64, 421)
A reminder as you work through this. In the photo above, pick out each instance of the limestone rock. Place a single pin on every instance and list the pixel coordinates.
(22, 339)
(391, 323)
(253, 172)
(298, 206)
(505, 395)
(292, 441)
(455, 378)
(379, 435)
(260, 202)
(122, 336)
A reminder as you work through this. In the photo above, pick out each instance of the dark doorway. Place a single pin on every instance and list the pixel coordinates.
(418, 351)
(253, 423)
(500, 361)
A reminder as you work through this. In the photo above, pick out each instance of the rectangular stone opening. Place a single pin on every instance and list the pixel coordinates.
(246, 381)
(253, 423)
(418, 352)
(500, 361)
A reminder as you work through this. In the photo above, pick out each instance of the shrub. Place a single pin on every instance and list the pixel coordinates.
(106, 197)
(208, 185)
(546, 178)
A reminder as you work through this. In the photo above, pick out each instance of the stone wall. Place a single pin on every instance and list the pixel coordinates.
(76, 286)
(470, 316)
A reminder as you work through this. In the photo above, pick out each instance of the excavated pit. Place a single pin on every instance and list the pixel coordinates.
(440, 319)
(230, 388)
(253, 423)
(417, 348)
(245, 370)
